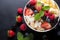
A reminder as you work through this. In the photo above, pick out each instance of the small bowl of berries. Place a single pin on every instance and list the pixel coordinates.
(41, 15)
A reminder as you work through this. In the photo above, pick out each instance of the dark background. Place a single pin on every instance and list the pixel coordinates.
(8, 12)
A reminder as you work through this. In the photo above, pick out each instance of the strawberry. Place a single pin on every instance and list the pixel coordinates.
(28, 12)
(33, 2)
(46, 25)
(38, 8)
(52, 17)
(19, 19)
(11, 33)
(20, 10)
(23, 27)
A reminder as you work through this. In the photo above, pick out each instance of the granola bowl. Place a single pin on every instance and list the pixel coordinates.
(41, 15)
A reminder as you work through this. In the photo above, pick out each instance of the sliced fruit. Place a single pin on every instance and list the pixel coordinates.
(33, 2)
(23, 27)
(11, 33)
(19, 19)
(20, 10)
(28, 12)
(46, 25)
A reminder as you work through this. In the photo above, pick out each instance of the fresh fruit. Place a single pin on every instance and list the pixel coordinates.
(38, 8)
(28, 12)
(19, 19)
(23, 27)
(35, 11)
(11, 33)
(20, 10)
(47, 13)
(46, 25)
(52, 17)
(33, 2)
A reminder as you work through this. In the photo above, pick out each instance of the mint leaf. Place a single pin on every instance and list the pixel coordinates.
(26, 38)
(30, 36)
(38, 3)
(19, 36)
(46, 8)
(39, 15)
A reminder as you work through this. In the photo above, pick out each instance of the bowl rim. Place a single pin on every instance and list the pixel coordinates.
(39, 30)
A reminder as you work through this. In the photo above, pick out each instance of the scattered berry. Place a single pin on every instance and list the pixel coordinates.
(19, 19)
(46, 25)
(23, 27)
(28, 12)
(11, 33)
(20, 10)
(33, 2)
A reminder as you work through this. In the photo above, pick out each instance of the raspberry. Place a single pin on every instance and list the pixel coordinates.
(52, 17)
(33, 2)
(23, 27)
(20, 10)
(11, 33)
(47, 13)
(19, 19)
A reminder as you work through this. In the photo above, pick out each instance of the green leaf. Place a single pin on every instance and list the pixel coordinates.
(46, 8)
(38, 3)
(26, 38)
(39, 15)
(19, 36)
(30, 36)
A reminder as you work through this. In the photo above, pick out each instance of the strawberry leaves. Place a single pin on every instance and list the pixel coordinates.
(39, 15)
(46, 8)
(21, 37)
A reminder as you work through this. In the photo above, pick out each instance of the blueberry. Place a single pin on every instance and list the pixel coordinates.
(47, 19)
(58, 33)
(35, 11)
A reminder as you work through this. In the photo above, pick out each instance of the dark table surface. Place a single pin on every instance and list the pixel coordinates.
(8, 12)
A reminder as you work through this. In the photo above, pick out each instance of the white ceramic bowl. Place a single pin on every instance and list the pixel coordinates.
(33, 28)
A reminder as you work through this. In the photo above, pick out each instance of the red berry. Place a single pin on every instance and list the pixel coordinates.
(33, 2)
(23, 27)
(20, 10)
(11, 33)
(52, 17)
(47, 13)
(19, 19)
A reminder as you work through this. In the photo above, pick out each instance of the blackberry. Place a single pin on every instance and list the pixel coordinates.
(28, 5)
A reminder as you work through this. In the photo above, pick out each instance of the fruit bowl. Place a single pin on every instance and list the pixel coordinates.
(46, 20)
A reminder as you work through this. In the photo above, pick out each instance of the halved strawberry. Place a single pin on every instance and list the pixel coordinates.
(46, 25)
(28, 12)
